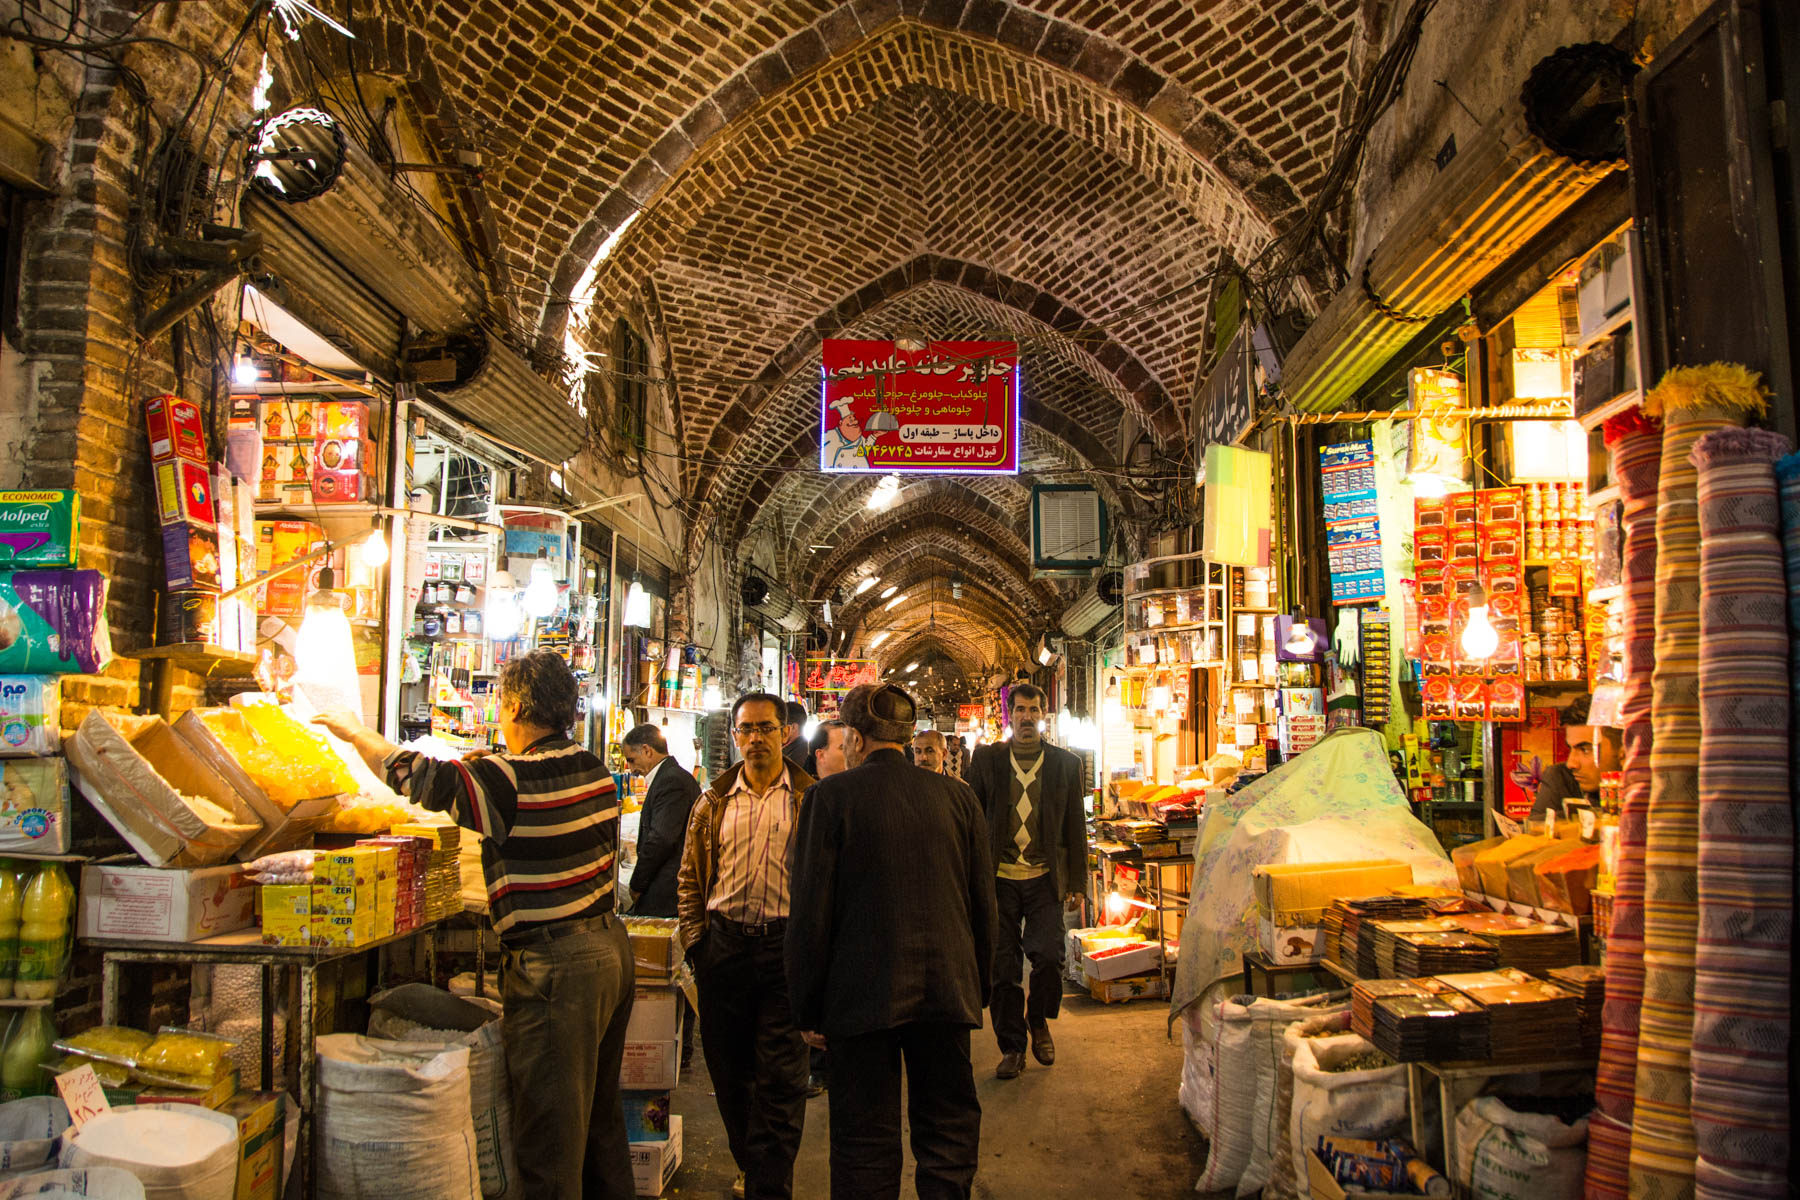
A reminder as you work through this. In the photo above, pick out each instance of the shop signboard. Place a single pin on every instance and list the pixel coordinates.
(969, 717)
(940, 408)
(1352, 528)
(1225, 408)
(838, 674)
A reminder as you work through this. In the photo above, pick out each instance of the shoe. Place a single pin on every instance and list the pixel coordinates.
(815, 1086)
(737, 1186)
(1042, 1048)
(1010, 1065)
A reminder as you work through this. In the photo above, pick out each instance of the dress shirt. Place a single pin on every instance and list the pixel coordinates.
(754, 835)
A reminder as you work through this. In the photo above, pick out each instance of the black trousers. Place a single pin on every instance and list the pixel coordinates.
(1030, 928)
(940, 1103)
(755, 1055)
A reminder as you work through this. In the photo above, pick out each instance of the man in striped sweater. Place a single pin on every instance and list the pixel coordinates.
(549, 820)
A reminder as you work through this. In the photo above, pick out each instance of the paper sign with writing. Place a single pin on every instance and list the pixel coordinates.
(951, 407)
(81, 1092)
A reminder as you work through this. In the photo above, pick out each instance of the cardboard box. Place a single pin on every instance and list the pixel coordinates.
(654, 947)
(282, 829)
(1287, 944)
(176, 430)
(1131, 987)
(653, 1163)
(1291, 899)
(332, 930)
(655, 1016)
(1324, 1187)
(292, 419)
(184, 492)
(651, 1066)
(215, 1097)
(261, 1118)
(190, 555)
(1113, 963)
(647, 1115)
(39, 528)
(124, 900)
(352, 867)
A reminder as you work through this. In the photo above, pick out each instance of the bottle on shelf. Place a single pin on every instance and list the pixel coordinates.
(12, 899)
(26, 1048)
(44, 916)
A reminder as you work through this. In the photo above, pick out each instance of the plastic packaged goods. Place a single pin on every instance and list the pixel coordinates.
(34, 805)
(12, 897)
(365, 814)
(110, 1074)
(117, 1044)
(30, 707)
(53, 623)
(294, 867)
(183, 1058)
(303, 751)
(177, 1151)
(45, 915)
(28, 1040)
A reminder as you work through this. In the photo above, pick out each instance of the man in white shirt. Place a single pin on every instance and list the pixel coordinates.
(733, 901)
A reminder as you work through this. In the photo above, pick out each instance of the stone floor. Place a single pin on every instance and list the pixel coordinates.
(1102, 1124)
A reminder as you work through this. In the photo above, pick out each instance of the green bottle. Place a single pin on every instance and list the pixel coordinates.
(44, 917)
(12, 897)
(26, 1049)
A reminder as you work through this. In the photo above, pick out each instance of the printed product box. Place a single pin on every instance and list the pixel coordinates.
(357, 930)
(354, 867)
(184, 492)
(1291, 899)
(285, 899)
(653, 1163)
(291, 419)
(1132, 987)
(120, 900)
(190, 556)
(646, 1116)
(343, 453)
(342, 900)
(261, 1123)
(34, 805)
(176, 430)
(651, 1066)
(38, 528)
(1121, 960)
(655, 1016)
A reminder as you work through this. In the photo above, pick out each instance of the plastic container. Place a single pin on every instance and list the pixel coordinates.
(27, 1047)
(177, 1151)
(44, 920)
(12, 897)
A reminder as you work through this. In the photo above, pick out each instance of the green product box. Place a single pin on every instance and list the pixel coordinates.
(38, 528)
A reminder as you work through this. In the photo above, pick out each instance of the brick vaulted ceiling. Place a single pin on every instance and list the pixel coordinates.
(767, 175)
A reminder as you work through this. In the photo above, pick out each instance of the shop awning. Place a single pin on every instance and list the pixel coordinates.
(318, 289)
(1499, 192)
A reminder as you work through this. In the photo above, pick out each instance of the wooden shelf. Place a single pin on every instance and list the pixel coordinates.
(1152, 593)
(1623, 402)
(318, 387)
(277, 509)
(1601, 595)
(1604, 496)
(198, 657)
(1608, 327)
(1179, 627)
(1258, 612)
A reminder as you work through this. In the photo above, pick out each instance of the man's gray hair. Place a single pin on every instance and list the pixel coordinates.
(647, 735)
(932, 733)
(544, 687)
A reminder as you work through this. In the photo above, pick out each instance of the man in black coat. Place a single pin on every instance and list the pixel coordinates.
(669, 795)
(1031, 794)
(889, 945)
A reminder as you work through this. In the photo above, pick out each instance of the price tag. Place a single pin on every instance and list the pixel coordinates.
(82, 1093)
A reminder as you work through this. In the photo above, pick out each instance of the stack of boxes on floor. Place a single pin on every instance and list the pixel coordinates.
(652, 1064)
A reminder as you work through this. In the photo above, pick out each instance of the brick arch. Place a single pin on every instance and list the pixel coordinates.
(976, 615)
(967, 528)
(682, 175)
(964, 651)
(838, 505)
(922, 572)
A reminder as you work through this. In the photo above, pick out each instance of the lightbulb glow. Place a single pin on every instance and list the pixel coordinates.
(884, 635)
(243, 373)
(1115, 905)
(539, 599)
(502, 617)
(867, 583)
(375, 551)
(897, 600)
(324, 656)
(889, 590)
(637, 607)
(1479, 638)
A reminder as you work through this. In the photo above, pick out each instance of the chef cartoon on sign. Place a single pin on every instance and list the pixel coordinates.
(846, 446)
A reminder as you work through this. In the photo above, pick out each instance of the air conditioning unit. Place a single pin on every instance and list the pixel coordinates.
(1068, 528)
(1091, 609)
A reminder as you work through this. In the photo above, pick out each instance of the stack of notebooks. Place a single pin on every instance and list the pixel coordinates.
(1529, 945)
(1331, 934)
(1357, 943)
(1528, 1019)
(1589, 987)
(1440, 953)
(1443, 1027)
(1367, 993)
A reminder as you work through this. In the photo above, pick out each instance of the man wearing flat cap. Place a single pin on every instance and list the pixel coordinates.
(889, 947)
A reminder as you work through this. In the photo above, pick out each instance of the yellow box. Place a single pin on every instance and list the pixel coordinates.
(354, 930)
(260, 1124)
(287, 929)
(384, 923)
(387, 894)
(1299, 893)
(387, 861)
(286, 899)
(354, 867)
(341, 900)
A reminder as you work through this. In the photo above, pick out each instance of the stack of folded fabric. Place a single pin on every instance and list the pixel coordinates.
(1386, 934)
(1439, 953)
(1447, 1027)
(1524, 943)
(1529, 1019)
(1368, 992)
(1588, 984)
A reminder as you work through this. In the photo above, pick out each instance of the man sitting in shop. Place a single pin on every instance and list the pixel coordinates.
(1593, 751)
(928, 750)
(1031, 793)
(548, 817)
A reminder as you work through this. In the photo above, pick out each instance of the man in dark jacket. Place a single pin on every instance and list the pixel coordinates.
(794, 747)
(889, 946)
(1031, 793)
(669, 795)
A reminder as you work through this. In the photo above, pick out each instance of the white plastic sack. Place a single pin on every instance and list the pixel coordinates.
(97, 1183)
(177, 1151)
(1284, 1168)
(1356, 1104)
(394, 1121)
(1273, 1062)
(1247, 1033)
(30, 1134)
(418, 1012)
(1506, 1155)
(1196, 1076)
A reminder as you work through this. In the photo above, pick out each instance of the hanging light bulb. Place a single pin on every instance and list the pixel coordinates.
(243, 373)
(539, 599)
(1479, 638)
(375, 550)
(324, 657)
(502, 615)
(884, 635)
(887, 591)
(867, 583)
(637, 606)
(1301, 640)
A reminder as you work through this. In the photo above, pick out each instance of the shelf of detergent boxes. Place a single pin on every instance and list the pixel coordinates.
(652, 1064)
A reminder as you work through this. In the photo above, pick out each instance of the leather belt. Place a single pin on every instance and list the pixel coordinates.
(549, 931)
(764, 929)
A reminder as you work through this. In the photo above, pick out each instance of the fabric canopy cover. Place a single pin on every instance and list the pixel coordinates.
(1337, 802)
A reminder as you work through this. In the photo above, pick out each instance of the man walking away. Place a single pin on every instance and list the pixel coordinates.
(669, 795)
(1031, 793)
(548, 817)
(928, 751)
(827, 750)
(733, 898)
(793, 745)
(888, 952)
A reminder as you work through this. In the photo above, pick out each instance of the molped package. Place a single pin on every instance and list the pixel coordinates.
(37, 529)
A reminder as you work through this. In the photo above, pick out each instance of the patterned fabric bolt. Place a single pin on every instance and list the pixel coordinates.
(1746, 848)
(1635, 443)
(1692, 402)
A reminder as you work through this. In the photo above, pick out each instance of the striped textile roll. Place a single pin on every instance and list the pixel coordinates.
(1608, 1155)
(1745, 864)
(1692, 402)
(1635, 444)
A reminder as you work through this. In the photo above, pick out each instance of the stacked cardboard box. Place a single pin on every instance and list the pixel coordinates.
(406, 885)
(443, 875)
(184, 493)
